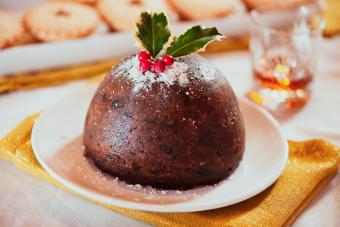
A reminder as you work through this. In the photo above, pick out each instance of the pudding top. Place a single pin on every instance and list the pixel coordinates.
(183, 71)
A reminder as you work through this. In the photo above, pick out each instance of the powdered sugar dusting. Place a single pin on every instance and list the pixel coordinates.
(182, 72)
(206, 69)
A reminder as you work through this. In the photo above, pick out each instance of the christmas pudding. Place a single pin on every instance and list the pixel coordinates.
(166, 118)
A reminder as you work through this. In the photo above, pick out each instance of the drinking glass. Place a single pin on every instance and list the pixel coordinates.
(284, 57)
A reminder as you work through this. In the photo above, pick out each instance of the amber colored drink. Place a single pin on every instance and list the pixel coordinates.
(282, 79)
(284, 54)
(272, 82)
(278, 74)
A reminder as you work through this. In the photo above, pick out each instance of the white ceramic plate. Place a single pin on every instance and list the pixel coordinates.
(264, 158)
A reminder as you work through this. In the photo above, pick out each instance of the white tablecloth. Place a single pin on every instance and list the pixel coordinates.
(27, 201)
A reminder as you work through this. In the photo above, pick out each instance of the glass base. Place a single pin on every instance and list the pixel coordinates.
(279, 102)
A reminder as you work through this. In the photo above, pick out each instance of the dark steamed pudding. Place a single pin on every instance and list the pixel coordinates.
(173, 130)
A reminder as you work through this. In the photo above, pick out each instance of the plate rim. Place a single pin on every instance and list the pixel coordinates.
(155, 207)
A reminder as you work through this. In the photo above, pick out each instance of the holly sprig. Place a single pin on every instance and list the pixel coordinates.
(153, 32)
(194, 40)
(154, 36)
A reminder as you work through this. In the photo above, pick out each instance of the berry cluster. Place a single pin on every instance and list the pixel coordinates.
(147, 63)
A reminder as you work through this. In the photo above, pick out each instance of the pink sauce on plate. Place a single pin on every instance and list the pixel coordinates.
(70, 163)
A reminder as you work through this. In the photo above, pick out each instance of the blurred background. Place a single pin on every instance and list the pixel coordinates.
(28, 23)
(45, 43)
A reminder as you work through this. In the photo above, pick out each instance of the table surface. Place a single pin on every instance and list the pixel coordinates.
(27, 201)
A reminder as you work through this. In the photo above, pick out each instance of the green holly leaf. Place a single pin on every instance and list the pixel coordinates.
(152, 32)
(193, 40)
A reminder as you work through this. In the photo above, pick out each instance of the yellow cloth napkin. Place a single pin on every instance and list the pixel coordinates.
(311, 165)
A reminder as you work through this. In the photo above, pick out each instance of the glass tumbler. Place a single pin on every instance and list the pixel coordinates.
(284, 57)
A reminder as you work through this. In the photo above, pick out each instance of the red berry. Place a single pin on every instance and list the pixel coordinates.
(168, 60)
(158, 67)
(145, 65)
(144, 55)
